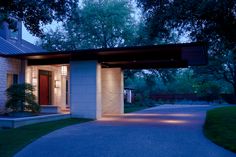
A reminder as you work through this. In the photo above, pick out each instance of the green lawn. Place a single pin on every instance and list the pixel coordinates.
(220, 127)
(129, 109)
(13, 140)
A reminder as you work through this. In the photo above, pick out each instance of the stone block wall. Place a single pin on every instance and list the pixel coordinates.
(112, 91)
(7, 66)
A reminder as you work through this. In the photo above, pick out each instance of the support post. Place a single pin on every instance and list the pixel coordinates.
(85, 89)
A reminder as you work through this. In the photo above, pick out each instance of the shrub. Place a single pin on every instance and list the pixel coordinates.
(208, 91)
(20, 98)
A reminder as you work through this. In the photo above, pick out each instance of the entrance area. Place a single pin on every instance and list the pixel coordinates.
(51, 84)
(78, 88)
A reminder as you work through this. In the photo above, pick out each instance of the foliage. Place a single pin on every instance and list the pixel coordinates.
(13, 140)
(210, 21)
(208, 90)
(220, 127)
(95, 24)
(181, 81)
(35, 13)
(21, 98)
(148, 83)
(204, 20)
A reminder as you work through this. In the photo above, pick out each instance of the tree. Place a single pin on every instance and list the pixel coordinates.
(35, 13)
(213, 21)
(20, 97)
(95, 24)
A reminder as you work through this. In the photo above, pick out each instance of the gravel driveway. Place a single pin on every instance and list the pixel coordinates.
(164, 131)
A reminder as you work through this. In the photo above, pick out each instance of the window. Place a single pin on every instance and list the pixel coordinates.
(12, 79)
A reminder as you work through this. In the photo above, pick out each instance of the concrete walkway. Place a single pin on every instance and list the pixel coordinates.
(166, 131)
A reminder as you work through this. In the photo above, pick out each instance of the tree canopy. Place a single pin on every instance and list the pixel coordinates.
(212, 21)
(95, 24)
(35, 13)
(205, 20)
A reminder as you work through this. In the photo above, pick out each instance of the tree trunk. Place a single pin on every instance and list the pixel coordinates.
(234, 90)
(21, 106)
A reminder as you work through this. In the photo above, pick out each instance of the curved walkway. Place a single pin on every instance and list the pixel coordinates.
(165, 131)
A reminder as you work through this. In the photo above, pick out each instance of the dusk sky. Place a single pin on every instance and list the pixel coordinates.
(27, 36)
(32, 39)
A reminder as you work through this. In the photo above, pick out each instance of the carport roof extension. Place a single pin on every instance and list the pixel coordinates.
(138, 57)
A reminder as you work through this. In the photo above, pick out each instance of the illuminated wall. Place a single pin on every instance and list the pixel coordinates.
(112, 91)
(58, 83)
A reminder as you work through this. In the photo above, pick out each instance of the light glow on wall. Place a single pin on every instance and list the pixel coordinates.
(34, 82)
(57, 83)
(33, 72)
(64, 70)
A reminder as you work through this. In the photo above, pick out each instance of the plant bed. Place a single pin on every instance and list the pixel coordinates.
(23, 114)
(19, 114)
(14, 122)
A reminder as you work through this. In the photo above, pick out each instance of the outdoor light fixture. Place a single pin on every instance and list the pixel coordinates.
(34, 81)
(57, 84)
(64, 70)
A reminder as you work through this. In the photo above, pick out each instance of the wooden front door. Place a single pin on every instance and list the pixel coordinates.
(44, 87)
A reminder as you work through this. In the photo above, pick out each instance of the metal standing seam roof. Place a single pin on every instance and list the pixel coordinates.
(11, 47)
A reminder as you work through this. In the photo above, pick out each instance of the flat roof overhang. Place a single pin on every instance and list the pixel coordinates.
(139, 57)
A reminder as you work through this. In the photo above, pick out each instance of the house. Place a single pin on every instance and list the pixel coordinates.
(11, 42)
(88, 82)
